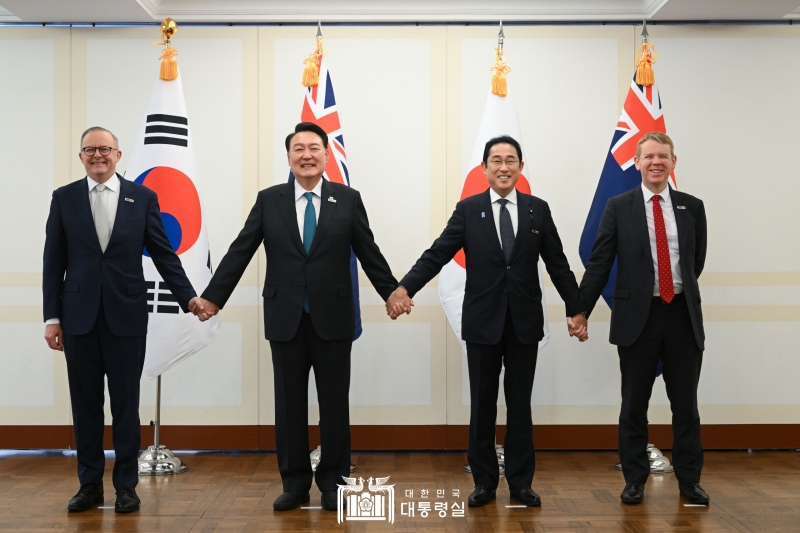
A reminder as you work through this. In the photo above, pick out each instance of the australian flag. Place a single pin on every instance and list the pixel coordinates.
(320, 108)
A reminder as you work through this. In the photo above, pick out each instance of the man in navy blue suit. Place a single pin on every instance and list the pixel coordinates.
(95, 308)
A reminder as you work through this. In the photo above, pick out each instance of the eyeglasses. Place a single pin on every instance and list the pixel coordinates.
(510, 162)
(91, 150)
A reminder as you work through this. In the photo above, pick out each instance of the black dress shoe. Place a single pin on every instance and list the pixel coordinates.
(481, 496)
(694, 493)
(290, 500)
(87, 497)
(127, 501)
(527, 496)
(330, 499)
(632, 494)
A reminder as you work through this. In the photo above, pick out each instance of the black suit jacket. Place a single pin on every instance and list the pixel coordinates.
(623, 236)
(324, 272)
(77, 273)
(493, 286)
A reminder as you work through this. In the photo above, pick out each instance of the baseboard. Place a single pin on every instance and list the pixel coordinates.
(411, 438)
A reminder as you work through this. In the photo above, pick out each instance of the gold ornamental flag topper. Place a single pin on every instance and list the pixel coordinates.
(311, 72)
(169, 66)
(499, 81)
(645, 57)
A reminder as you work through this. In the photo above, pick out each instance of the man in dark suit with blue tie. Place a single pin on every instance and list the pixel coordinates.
(657, 236)
(503, 233)
(95, 308)
(308, 227)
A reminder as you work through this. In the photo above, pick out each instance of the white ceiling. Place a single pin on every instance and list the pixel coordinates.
(274, 11)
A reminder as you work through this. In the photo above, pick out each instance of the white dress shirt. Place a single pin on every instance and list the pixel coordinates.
(511, 206)
(300, 203)
(671, 227)
(111, 197)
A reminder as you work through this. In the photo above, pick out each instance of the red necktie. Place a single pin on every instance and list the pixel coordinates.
(665, 285)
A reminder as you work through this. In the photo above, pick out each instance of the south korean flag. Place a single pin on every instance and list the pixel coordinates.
(163, 160)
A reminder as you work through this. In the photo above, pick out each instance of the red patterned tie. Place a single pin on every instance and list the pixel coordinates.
(665, 285)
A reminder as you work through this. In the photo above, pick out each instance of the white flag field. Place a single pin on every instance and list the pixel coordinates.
(499, 118)
(163, 160)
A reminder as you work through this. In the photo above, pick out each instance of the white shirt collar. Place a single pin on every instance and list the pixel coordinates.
(299, 191)
(648, 194)
(112, 183)
(512, 196)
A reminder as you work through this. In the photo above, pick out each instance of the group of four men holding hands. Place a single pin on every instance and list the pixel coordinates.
(95, 308)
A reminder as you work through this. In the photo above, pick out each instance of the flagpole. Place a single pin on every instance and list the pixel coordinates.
(157, 459)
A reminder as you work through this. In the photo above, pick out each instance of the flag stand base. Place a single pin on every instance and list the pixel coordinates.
(158, 460)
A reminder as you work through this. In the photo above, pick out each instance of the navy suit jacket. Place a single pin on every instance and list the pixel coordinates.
(494, 285)
(78, 274)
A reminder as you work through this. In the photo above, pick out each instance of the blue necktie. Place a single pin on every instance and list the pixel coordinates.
(309, 229)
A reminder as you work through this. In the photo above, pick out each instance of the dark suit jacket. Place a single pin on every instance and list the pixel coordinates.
(75, 267)
(623, 236)
(324, 272)
(492, 285)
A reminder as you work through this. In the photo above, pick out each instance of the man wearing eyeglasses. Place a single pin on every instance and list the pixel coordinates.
(95, 308)
(503, 233)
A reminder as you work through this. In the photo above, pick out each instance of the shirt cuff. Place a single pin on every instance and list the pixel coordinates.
(52, 321)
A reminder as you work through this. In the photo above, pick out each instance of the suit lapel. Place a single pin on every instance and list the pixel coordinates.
(524, 221)
(488, 224)
(326, 209)
(124, 208)
(640, 219)
(679, 220)
(288, 211)
(80, 195)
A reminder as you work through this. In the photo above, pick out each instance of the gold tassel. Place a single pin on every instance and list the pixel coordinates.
(646, 56)
(499, 81)
(169, 66)
(311, 72)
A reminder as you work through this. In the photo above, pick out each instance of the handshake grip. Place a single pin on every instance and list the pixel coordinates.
(202, 308)
(398, 303)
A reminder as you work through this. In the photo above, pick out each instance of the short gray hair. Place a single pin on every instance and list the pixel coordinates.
(98, 128)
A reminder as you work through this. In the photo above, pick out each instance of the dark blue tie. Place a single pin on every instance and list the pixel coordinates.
(506, 230)
(309, 229)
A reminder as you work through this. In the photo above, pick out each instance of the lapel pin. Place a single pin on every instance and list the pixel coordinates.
(536, 231)
(331, 199)
(483, 214)
(129, 200)
(681, 207)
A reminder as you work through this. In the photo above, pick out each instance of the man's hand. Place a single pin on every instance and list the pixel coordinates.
(54, 337)
(578, 327)
(399, 303)
(196, 306)
(204, 309)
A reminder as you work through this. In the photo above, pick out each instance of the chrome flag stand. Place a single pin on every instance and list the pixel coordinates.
(157, 459)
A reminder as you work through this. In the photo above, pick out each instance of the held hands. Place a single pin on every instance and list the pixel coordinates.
(578, 327)
(202, 308)
(399, 303)
(54, 337)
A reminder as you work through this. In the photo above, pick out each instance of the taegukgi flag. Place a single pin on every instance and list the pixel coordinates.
(163, 160)
(499, 118)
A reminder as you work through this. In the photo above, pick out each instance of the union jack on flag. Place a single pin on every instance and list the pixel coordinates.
(641, 114)
(319, 107)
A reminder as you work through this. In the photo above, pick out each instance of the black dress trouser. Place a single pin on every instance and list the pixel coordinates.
(667, 336)
(121, 359)
(485, 362)
(292, 361)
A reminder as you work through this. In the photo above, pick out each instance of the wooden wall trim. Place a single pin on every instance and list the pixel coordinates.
(413, 438)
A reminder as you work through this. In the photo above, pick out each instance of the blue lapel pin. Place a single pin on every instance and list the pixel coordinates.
(483, 214)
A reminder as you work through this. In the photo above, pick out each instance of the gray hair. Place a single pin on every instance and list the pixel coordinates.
(98, 128)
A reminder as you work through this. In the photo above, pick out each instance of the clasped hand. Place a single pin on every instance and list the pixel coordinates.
(202, 308)
(399, 303)
(578, 327)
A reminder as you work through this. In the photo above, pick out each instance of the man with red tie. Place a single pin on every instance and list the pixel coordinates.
(658, 237)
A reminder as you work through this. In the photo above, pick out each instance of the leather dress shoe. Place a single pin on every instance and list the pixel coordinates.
(330, 499)
(290, 500)
(87, 497)
(527, 496)
(694, 493)
(633, 493)
(127, 501)
(481, 496)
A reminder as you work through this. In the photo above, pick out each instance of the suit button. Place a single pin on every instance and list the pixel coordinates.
(304, 285)
(505, 291)
(508, 267)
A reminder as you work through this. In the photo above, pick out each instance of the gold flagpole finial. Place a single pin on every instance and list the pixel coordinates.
(311, 72)
(500, 69)
(169, 66)
(645, 57)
